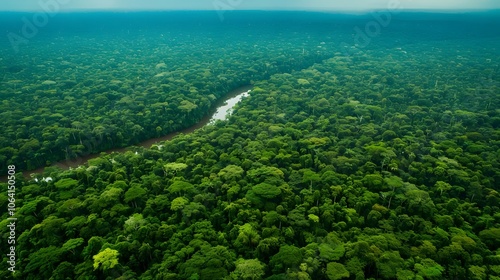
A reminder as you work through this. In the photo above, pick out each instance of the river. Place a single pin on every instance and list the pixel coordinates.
(222, 108)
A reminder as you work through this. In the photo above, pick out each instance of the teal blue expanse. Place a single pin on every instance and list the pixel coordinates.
(443, 25)
(322, 5)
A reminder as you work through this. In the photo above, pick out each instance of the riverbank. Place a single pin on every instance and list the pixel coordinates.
(227, 102)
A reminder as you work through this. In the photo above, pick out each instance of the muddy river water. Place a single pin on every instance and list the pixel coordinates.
(220, 112)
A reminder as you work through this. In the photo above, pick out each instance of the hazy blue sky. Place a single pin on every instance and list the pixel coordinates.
(250, 4)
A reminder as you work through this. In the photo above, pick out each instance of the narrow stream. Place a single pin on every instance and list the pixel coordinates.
(220, 112)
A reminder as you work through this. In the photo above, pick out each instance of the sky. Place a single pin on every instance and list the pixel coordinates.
(332, 5)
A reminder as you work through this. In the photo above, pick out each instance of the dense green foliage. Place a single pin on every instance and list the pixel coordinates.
(85, 95)
(384, 165)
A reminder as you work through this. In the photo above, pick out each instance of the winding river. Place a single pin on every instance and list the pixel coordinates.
(220, 112)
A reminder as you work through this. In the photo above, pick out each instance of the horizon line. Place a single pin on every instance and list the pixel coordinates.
(259, 10)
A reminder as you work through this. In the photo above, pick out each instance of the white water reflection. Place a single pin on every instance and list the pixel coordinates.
(227, 109)
(221, 114)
